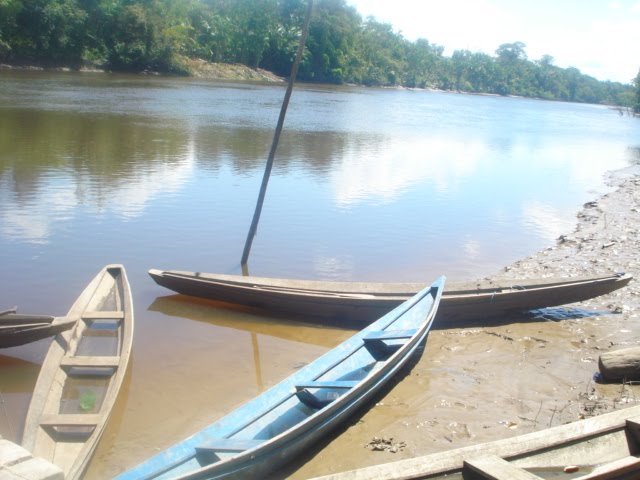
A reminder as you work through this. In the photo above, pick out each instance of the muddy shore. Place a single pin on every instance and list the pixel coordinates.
(196, 68)
(486, 382)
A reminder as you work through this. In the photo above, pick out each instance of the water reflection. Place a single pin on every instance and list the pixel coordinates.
(384, 171)
(17, 378)
(63, 166)
(550, 222)
(251, 320)
(368, 184)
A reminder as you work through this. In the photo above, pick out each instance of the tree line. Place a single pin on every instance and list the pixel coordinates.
(342, 46)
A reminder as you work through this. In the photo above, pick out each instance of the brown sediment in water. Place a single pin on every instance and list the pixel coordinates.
(486, 382)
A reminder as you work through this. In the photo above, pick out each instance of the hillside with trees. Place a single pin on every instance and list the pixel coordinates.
(342, 47)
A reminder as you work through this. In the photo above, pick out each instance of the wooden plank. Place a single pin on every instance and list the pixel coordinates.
(33, 469)
(313, 401)
(103, 315)
(345, 384)
(90, 362)
(620, 364)
(70, 420)
(493, 467)
(614, 469)
(389, 335)
(600, 433)
(633, 427)
(228, 445)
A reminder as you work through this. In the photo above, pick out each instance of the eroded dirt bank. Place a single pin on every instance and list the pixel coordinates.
(480, 383)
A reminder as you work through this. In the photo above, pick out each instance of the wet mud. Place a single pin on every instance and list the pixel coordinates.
(485, 382)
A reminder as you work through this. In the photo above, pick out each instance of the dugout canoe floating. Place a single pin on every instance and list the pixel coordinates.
(19, 329)
(359, 301)
(82, 374)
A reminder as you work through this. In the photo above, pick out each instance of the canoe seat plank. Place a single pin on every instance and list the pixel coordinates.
(69, 420)
(90, 361)
(346, 384)
(375, 342)
(313, 400)
(228, 445)
(493, 467)
(99, 315)
(614, 469)
(379, 336)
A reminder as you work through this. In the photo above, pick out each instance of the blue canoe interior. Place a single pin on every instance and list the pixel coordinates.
(270, 430)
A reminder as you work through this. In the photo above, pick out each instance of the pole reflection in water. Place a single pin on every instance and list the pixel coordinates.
(256, 361)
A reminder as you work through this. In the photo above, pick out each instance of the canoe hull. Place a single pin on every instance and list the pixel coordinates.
(82, 374)
(18, 329)
(606, 445)
(360, 302)
(290, 417)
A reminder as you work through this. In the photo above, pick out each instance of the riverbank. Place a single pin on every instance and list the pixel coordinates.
(486, 382)
(195, 67)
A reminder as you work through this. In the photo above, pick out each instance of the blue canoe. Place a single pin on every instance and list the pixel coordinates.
(290, 417)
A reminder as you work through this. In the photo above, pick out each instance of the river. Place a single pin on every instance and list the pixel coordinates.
(368, 184)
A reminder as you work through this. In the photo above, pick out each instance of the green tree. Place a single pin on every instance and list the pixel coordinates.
(283, 43)
(9, 10)
(49, 32)
(384, 53)
(424, 62)
(334, 45)
(511, 52)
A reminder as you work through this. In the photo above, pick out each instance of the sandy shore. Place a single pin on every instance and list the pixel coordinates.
(486, 382)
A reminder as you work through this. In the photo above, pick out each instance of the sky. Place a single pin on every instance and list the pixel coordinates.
(599, 37)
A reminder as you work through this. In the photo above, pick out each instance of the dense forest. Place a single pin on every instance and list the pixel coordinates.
(342, 47)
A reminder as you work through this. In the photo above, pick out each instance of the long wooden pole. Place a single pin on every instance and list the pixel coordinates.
(276, 137)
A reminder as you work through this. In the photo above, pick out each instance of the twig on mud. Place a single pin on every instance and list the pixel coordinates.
(535, 420)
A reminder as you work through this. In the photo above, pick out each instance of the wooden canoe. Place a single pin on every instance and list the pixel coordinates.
(82, 374)
(18, 329)
(602, 447)
(361, 302)
(288, 418)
